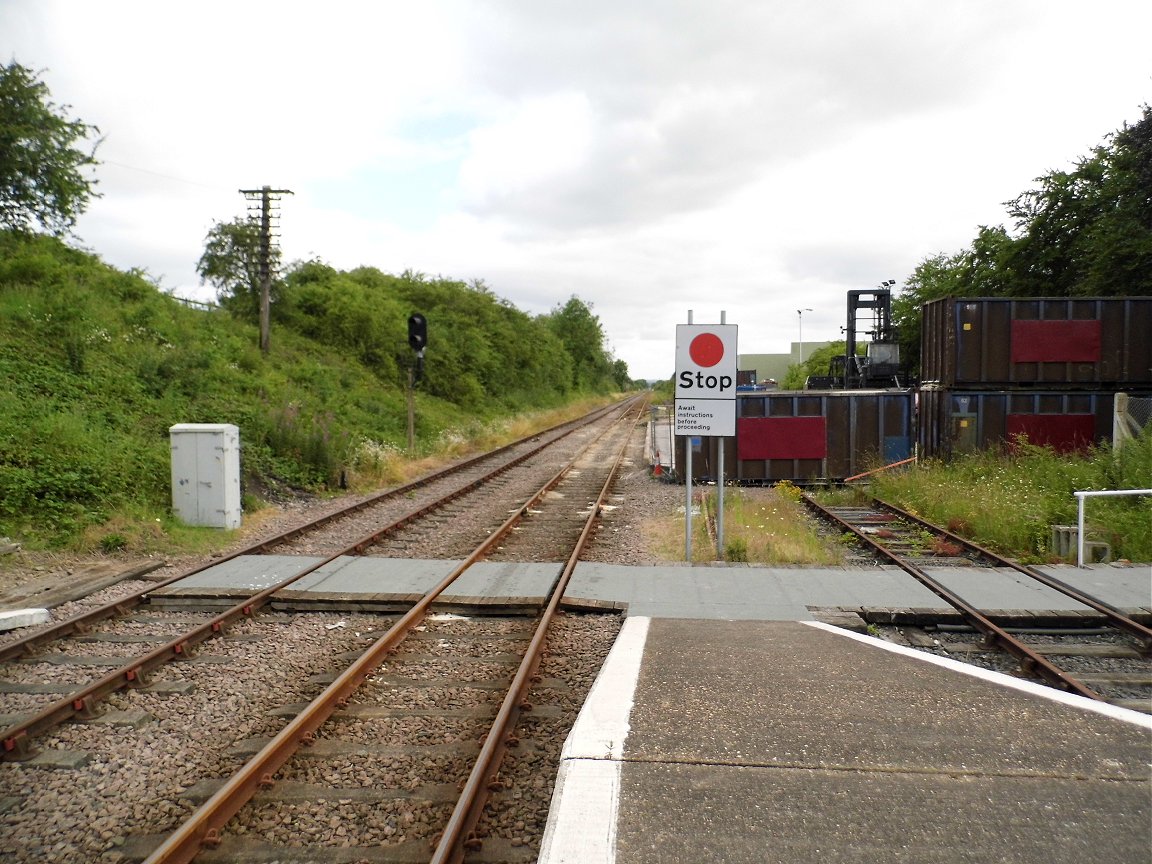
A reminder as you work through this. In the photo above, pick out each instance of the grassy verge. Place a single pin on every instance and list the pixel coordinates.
(1010, 501)
(153, 530)
(761, 526)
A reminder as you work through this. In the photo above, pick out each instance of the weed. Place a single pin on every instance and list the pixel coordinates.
(761, 526)
(113, 543)
(944, 547)
(736, 550)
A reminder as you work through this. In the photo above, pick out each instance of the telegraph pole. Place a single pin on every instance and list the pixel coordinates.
(267, 201)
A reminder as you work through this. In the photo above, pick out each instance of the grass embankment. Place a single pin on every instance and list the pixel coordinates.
(96, 365)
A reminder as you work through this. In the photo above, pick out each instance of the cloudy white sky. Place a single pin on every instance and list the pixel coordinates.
(750, 157)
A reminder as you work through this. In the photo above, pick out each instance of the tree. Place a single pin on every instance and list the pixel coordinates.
(231, 264)
(817, 363)
(1088, 232)
(621, 377)
(1080, 233)
(42, 179)
(583, 337)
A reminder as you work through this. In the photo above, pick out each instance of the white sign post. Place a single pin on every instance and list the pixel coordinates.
(706, 363)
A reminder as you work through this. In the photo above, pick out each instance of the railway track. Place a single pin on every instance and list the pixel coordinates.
(560, 513)
(350, 530)
(1107, 660)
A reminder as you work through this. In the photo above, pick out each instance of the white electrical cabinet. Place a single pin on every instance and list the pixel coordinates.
(206, 474)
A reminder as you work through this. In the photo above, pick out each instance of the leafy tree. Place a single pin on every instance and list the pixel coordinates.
(620, 376)
(580, 331)
(1088, 232)
(482, 350)
(231, 264)
(1080, 233)
(817, 363)
(42, 179)
(339, 310)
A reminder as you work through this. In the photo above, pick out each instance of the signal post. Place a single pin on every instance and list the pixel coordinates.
(418, 340)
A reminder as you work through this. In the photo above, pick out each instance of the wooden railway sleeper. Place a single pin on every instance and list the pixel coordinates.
(33, 648)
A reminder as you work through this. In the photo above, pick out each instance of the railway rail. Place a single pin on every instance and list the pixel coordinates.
(583, 479)
(911, 543)
(366, 522)
(205, 827)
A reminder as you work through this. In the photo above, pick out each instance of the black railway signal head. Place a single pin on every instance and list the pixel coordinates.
(417, 332)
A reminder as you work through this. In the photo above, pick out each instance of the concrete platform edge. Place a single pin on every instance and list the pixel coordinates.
(582, 821)
(581, 824)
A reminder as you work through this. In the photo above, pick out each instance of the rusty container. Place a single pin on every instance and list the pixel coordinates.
(953, 422)
(807, 436)
(1083, 343)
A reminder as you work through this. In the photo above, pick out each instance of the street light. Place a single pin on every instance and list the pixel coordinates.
(800, 319)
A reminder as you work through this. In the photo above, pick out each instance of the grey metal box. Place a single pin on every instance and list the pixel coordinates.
(206, 474)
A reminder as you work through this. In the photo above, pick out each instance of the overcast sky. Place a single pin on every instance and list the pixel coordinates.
(754, 157)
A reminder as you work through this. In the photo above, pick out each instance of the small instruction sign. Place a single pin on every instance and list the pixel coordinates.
(705, 417)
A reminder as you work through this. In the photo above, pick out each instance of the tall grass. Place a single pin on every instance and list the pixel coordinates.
(1010, 500)
(761, 526)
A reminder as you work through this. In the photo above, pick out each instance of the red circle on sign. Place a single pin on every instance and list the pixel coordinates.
(707, 349)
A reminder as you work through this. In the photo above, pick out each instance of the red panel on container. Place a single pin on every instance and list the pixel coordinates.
(1055, 341)
(781, 438)
(1063, 432)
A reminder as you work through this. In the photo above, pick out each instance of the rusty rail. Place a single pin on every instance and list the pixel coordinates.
(470, 807)
(203, 827)
(15, 740)
(1113, 615)
(995, 635)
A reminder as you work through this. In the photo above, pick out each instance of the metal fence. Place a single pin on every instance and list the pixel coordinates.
(1131, 415)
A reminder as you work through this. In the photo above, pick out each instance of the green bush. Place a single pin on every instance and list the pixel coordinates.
(96, 365)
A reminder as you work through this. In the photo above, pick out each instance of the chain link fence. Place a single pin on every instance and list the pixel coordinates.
(1131, 416)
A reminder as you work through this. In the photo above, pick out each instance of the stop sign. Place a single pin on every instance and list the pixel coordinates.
(706, 361)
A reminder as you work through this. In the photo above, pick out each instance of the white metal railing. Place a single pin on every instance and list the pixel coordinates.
(1080, 496)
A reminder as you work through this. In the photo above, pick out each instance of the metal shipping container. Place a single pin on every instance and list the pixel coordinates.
(806, 436)
(963, 421)
(1086, 343)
